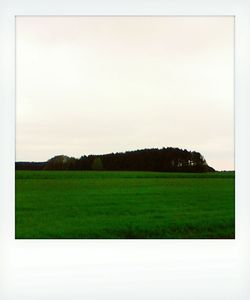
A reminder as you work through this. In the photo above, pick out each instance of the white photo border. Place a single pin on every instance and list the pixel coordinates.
(124, 269)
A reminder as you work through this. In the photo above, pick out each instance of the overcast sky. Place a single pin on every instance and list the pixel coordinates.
(95, 85)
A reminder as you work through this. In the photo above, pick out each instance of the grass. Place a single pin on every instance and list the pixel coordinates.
(125, 205)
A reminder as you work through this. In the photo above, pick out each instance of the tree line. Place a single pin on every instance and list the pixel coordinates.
(160, 160)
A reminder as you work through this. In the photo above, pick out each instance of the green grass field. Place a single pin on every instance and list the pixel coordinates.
(125, 205)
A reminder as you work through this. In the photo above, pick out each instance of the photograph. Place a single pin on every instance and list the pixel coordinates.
(124, 127)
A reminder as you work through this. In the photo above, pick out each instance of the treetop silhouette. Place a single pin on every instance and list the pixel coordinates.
(160, 160)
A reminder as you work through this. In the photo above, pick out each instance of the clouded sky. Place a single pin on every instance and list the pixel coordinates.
(95, 85)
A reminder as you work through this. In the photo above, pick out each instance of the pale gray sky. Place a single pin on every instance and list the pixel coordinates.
(93, 85)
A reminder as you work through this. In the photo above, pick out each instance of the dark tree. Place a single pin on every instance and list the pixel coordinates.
(97, 164)
(160, 160)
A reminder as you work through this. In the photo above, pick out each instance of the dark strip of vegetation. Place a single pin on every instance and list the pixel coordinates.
(157, 160)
